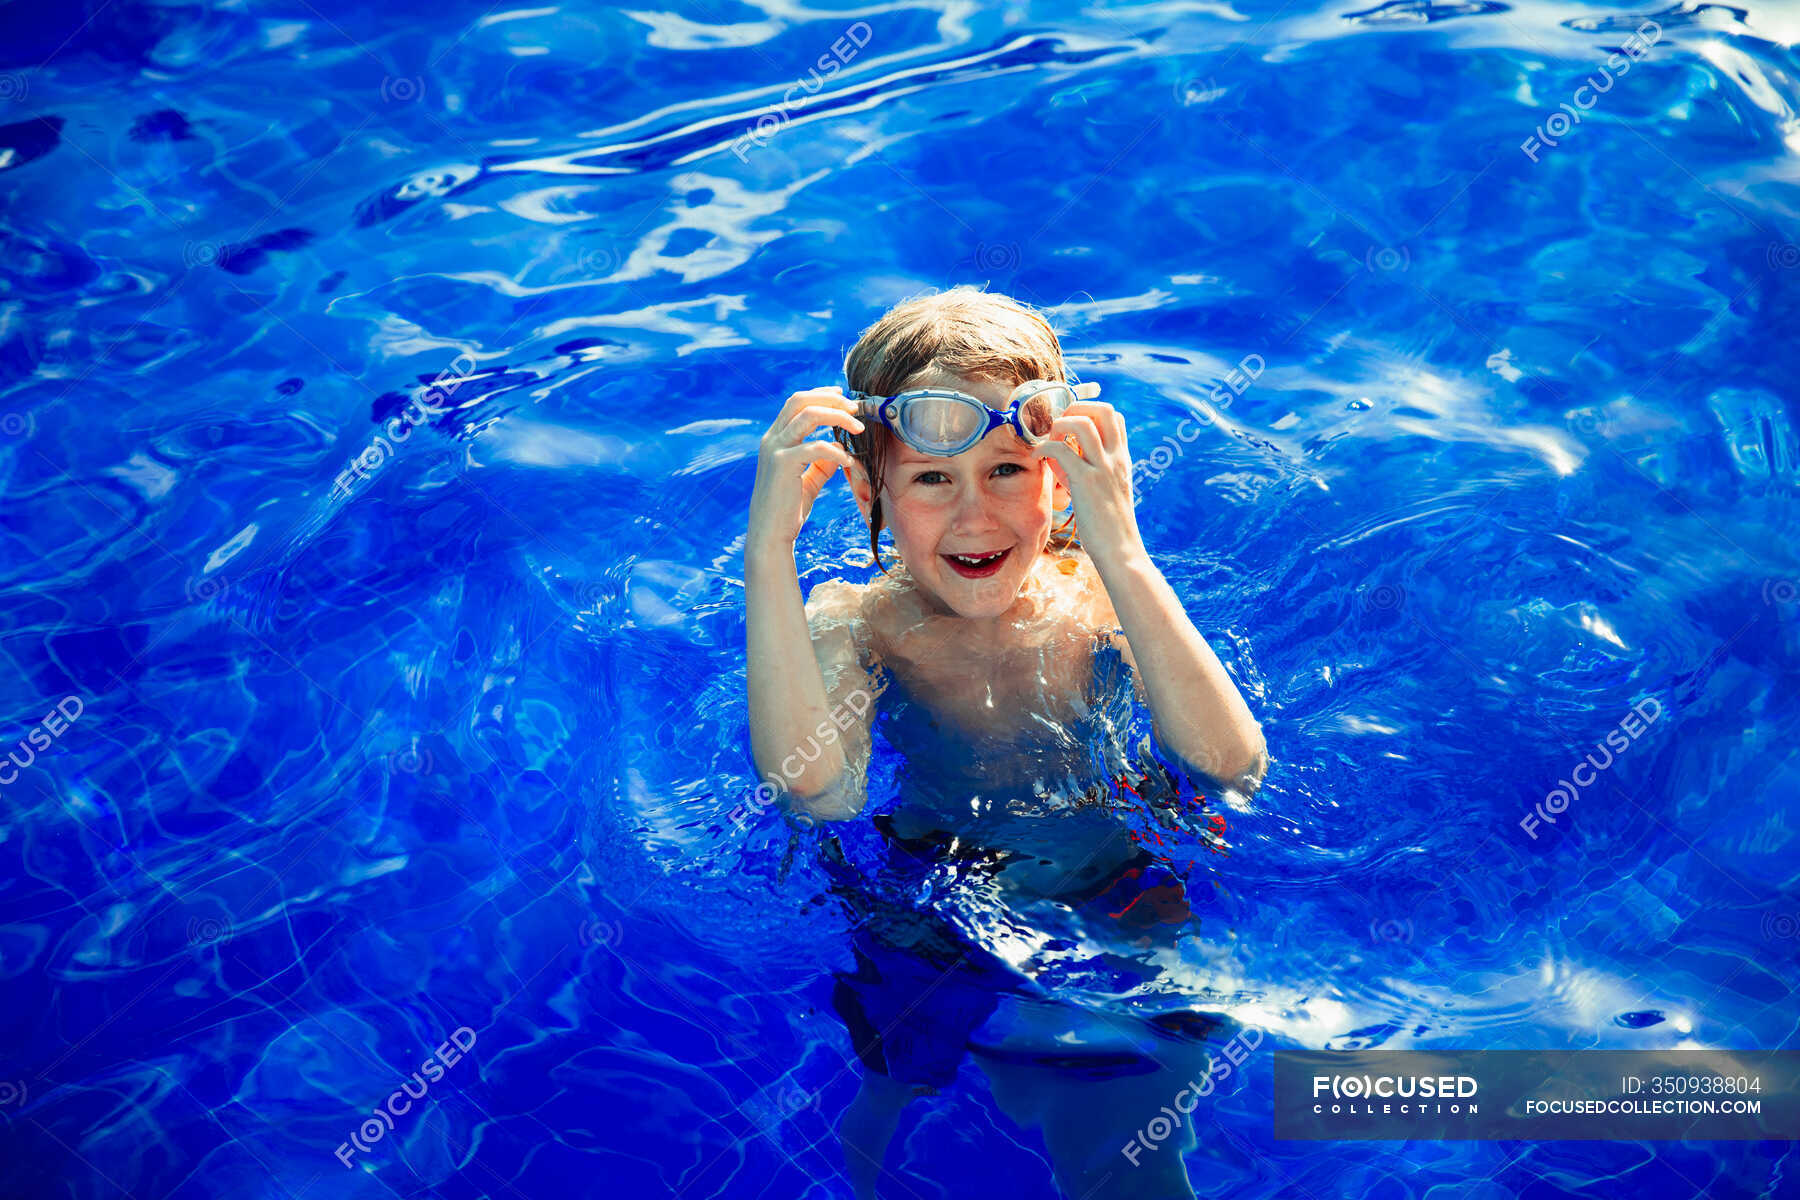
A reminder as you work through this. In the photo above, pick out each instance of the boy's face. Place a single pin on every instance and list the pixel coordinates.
(951, 517)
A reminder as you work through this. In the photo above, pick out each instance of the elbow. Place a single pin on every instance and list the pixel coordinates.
(837, 798)
(1246, 765)
(1248, 779)
(1239, 765)
(830, 787)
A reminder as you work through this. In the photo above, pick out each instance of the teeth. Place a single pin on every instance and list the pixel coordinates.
(974, 561)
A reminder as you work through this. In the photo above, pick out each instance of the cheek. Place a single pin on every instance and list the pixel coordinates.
(911, 520)
(1031, 503)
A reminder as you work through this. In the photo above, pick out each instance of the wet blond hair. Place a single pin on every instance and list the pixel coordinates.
(964, 332)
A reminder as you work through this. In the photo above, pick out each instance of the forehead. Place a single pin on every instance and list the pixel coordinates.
(999, 443)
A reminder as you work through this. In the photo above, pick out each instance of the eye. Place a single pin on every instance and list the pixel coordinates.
(1004, 470)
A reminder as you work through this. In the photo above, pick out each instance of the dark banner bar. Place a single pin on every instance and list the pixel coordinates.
(1503, 1095)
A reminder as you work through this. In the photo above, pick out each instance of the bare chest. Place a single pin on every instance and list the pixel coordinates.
(1016, 694)
(1023, 684)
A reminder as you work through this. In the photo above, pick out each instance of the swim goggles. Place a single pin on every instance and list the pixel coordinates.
(943, 422)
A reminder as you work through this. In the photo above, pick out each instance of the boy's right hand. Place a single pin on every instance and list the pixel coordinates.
(790, 470)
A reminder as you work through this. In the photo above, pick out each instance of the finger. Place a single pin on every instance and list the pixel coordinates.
(831, 394)
(811, 417)
(1106, 418)
(814, 453)
(1114, 428)
(816, 475)
(823, 466)
(1061, 456)
(1084, 431)
(1104, 414)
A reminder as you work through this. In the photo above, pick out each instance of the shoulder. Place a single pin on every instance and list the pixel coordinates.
(882, 609)
(838, 618)
(1087, 593)
(836, 601)
(1094, 608)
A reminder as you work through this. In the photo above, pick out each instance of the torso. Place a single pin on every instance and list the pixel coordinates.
(997, 728)
(1004, 684)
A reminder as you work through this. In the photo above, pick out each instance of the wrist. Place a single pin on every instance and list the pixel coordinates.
(1118, 555)
(764, 556)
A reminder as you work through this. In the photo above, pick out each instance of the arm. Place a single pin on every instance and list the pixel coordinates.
(1196, 711)
(808, 728)
(810, 699)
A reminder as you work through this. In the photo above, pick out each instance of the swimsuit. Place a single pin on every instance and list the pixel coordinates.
(921, 988)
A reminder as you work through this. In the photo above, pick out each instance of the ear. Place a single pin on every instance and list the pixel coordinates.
(1059, 493)
(860, 487)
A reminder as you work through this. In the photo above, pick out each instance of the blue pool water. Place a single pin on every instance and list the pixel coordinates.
(394, 721)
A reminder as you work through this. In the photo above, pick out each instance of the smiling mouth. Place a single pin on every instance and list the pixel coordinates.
(977, 566)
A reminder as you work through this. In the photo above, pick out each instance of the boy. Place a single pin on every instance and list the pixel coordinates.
(962, 436)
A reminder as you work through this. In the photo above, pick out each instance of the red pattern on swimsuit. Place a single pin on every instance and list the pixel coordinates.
(1212, 835)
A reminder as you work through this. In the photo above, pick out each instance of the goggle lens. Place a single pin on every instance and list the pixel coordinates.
(1038, 413)
(939, 422)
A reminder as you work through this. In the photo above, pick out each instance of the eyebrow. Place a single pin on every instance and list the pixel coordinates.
(911, 458)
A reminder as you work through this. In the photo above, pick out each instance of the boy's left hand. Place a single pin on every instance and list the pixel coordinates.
(1098, 476)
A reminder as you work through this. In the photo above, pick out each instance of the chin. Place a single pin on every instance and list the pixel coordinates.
(988, 596)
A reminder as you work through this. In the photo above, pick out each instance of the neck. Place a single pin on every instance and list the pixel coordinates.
(1024, 605)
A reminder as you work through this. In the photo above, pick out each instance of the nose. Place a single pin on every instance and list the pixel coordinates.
(974, 511)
